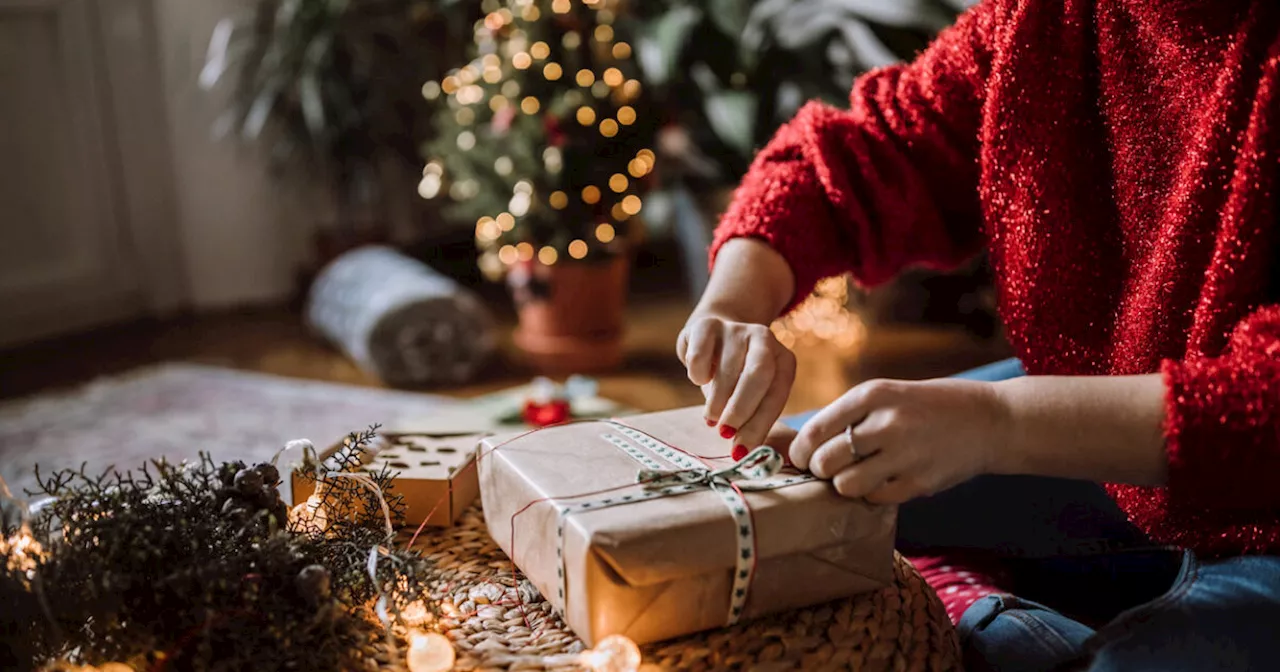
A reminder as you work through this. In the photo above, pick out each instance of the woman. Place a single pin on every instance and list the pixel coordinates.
(1118, 161)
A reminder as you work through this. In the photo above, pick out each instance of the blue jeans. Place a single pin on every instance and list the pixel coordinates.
(1092, 592)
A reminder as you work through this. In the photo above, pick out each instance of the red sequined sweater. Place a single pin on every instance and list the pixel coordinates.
(1118, 159)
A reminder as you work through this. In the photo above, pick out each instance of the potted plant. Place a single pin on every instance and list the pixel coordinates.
(331, 91)
(543, 143)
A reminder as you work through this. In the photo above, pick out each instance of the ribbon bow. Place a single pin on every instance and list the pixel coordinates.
(760, 463)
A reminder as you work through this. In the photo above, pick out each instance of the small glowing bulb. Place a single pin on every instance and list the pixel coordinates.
(429, 187)
(552, 71)
(430, 652)
(591, 194)
(637, 168)
(578, 249)
(647, 155)
(524, 251)
(558, 200)
(586, 116)
(508, 254)
(604, 33)
(605, 232)
(631, 90)
(600, 89)
(531, 13)
(585, 77)
(608, 128)
(530, 105)
(548, 255)
(505, 221)
(431, 90)
(503, 165)
(466, 140)
(511, 88)
(560, 6)
(572, 40)
(493, 75)
(498, 102)
(540, 50)
(449, 85)
(626, 115)
(522, 61)
(612, 76)
(465, 116)
(618, 182)
(621, 51)
(615, 653)
(631, 204)
(415, 613)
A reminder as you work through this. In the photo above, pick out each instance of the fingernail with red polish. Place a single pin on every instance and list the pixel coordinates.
(739, 452)
(727, 432)
(710, 422)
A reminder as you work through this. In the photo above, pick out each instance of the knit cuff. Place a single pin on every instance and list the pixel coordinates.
(1221, 434)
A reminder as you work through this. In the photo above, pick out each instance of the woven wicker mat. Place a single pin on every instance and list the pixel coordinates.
(900, 627)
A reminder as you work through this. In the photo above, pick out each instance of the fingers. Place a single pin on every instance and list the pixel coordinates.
(896, 491)
(833, 456)
(727, 375)
(869, 475)
(701, 350)
(759, 427)
(848, 410)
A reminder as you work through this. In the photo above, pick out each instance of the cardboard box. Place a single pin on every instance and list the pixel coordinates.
(437, 474)
(634, 560)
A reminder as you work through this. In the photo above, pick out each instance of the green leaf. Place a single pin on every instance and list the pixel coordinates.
(259, 112)
(312, 104)
(730, 16)
(663, 41)
(733, 118)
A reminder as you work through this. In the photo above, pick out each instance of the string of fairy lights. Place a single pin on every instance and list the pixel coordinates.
(603, 100)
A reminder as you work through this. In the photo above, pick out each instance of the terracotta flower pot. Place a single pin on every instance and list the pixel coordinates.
(571, 314)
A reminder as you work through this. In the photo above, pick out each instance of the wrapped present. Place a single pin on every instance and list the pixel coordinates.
(646, 527)
(435, 473)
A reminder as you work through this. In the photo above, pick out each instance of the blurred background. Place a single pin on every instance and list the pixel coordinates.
(451, 196)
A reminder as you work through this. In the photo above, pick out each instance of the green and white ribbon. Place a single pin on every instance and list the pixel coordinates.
(690, 475)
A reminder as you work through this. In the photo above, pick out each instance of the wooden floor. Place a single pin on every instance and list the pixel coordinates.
(274, 341)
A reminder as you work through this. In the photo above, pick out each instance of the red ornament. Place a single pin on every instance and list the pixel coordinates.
(550, 413)
(555, 134)
(502, 119)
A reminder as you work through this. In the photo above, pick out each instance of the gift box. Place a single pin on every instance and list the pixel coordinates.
(646, 527)
(434, 473)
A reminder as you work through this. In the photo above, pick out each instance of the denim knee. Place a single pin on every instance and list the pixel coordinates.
(1005, 633)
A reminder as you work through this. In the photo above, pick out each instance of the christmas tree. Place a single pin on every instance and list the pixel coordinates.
(543, 140)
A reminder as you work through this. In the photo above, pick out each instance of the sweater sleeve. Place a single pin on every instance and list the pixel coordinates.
(890, 182)
(1222, 429)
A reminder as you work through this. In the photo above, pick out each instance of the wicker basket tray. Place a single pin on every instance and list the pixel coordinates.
(900, 627)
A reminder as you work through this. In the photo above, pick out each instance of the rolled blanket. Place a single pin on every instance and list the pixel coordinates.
(399, 319)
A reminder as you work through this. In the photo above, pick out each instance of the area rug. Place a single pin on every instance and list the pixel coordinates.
(177, 410)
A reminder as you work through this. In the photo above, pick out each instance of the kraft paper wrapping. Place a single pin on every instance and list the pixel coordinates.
(663, 567)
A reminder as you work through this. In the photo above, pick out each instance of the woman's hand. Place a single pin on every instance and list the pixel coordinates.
(912, 439)
(744, 372)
